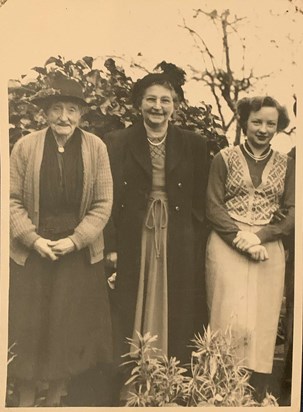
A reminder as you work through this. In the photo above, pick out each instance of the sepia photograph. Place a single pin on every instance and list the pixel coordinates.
(151, 234)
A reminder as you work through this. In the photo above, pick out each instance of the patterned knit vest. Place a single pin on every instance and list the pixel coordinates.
(246, 203)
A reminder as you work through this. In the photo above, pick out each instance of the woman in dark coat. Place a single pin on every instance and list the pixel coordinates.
(157, 230)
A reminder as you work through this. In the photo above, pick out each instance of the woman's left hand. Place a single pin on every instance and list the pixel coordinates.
(258, 253)
(244, 240)
(62, 246)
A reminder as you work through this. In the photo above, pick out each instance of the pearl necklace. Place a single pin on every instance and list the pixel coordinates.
(159, 143)
(255, 157)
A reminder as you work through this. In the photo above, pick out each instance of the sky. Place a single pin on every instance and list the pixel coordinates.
(147, 32)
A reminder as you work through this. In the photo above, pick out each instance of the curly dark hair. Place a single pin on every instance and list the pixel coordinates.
(253, 104)
(151, 79)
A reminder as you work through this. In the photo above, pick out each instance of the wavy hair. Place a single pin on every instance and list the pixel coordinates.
(253, 104)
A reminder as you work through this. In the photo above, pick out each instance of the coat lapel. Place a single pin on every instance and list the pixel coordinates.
(174, 148)
(139, 147)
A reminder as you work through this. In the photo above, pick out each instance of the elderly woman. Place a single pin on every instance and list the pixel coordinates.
(245, 258)
(61, 199)
(160, 176)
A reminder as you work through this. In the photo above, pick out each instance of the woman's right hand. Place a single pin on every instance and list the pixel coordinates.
(245, 240)
(41, 245)
(111, 259)
(258, 253)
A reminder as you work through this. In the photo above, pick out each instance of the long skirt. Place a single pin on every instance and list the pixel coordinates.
(152, 300)
(246, 296)
(59, 317)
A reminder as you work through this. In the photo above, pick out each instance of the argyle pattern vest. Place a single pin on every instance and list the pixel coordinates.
(246, 203)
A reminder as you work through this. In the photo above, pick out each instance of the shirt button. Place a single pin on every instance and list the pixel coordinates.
(179, 184)
(125, 183)
(177, 208)
(122, 205)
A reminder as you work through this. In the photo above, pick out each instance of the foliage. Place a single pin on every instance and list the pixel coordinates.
(11, 354)
(215, 377)
(155, 380)
(108, 94)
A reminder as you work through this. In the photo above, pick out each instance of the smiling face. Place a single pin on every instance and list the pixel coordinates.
(63, 118)
(261, 127)
(157, 106)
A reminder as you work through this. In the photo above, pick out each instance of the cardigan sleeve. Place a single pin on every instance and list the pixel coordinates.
(21, 226)
(278, 230)
(216, 210)
(99, 211)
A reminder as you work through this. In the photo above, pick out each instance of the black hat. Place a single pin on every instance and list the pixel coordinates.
(154, 78)
(61, 88)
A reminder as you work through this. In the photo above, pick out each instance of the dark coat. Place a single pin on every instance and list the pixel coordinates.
(186, 179)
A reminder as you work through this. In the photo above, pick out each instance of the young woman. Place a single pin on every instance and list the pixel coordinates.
(245, 260)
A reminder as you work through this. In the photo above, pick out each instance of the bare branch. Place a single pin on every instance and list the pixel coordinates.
(226, 47)
(207, 50)
(289, 132)
(139, 66)
(231, 121)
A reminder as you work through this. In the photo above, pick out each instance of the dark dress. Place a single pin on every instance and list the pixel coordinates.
(59, 316)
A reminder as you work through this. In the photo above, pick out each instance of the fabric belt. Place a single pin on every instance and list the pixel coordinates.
(157, 216)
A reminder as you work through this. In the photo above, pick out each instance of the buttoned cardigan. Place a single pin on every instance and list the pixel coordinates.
(96, 202)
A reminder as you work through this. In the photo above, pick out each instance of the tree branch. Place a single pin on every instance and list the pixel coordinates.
(194, 34)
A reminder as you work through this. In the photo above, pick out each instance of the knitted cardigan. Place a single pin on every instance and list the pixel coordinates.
(96, 202)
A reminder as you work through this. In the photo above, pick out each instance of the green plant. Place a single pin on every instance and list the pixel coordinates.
(155, 380)
(108, 94)
(11, 354)
(215, 377)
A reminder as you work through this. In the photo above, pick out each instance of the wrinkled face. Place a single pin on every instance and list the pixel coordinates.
(261, 127)
(157, 105)
(63, 118)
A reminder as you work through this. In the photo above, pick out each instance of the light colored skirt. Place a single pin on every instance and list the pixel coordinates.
(152, 307)
(246, 295)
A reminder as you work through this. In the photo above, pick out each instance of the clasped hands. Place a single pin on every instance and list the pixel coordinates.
(53, 249)
(250, 243)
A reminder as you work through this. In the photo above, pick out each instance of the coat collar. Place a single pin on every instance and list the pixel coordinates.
(139, 147)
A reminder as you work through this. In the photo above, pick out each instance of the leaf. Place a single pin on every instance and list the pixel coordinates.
(53, 60)
(89, 61)
(40, 70)
(14, 84)
(218, 398)
(131, 379)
